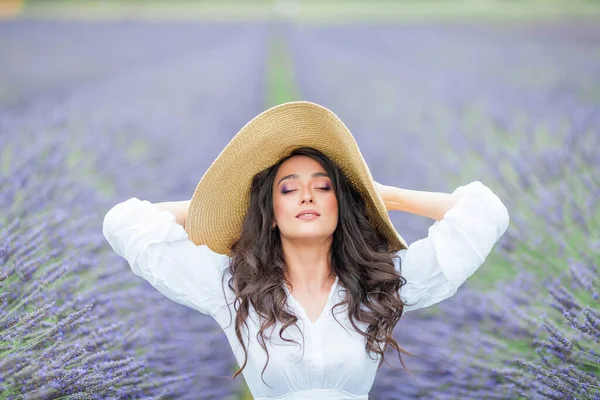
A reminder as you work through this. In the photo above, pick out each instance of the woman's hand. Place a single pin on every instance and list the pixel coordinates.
(381, 189)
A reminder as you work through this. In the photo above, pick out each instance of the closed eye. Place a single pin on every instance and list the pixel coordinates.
(293, 190)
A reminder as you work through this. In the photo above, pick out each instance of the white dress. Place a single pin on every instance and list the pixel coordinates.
(335, 364)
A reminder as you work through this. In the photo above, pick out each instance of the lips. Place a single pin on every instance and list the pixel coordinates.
(307, 212)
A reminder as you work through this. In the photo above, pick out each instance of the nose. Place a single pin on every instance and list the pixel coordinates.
(307, 197)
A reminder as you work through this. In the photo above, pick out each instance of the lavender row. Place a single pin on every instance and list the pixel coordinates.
(435, 106)
(144, 110)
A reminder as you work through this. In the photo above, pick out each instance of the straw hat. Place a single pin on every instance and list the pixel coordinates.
(221, 199)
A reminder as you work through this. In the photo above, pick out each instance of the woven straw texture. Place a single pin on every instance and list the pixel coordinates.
(220, 201)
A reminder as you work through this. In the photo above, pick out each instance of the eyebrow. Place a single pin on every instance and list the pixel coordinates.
(296, 176)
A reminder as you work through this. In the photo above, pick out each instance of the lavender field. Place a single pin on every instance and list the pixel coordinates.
(94, 113)
(519, 109)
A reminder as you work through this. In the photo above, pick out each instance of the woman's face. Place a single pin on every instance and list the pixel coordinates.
(301, 183)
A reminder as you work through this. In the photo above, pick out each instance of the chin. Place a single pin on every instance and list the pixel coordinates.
(306, 234)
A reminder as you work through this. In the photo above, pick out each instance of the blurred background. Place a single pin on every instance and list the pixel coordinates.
(104, 100)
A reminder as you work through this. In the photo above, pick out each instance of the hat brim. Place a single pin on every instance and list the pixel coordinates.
(221, 199)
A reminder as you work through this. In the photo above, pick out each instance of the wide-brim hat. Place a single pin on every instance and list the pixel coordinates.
(221, 199)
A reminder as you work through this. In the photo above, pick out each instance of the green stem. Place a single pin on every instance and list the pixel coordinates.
(23, 301)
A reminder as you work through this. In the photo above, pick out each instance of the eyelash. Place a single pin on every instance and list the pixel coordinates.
(322, 188)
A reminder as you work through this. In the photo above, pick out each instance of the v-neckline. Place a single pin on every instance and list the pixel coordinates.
(301, 308)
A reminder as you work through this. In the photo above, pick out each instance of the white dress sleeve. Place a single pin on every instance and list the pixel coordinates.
(434, 267)
(158, 249)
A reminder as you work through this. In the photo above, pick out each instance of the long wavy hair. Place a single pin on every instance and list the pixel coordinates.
(359, 256)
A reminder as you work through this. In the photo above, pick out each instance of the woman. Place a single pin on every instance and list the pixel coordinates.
(287, 243)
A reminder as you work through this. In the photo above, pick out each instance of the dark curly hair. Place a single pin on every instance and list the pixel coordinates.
(359, 256)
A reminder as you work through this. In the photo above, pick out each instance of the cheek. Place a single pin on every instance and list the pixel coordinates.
(332, 205)
(281, 207)
(276, 206)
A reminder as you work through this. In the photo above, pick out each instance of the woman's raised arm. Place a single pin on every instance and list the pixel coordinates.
(158, 249)
(455, 247)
